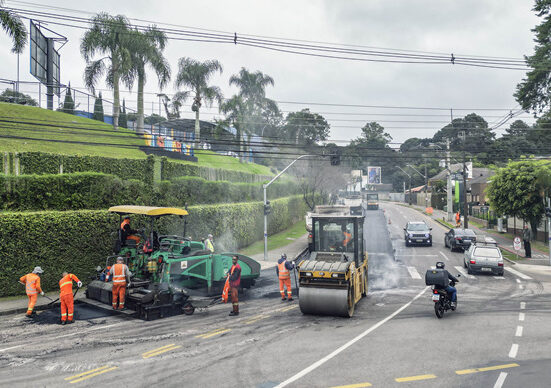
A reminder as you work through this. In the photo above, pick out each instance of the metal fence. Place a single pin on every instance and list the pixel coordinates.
(484, 213)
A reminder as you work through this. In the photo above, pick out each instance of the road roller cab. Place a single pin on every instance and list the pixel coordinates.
(333, 278)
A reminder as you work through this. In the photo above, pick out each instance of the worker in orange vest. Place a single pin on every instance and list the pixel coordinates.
(127, 233)
(346, 236)
(66, 296)
(283, 270)
(32, 286)
(457, 219)
(234, 277)
(121, 277)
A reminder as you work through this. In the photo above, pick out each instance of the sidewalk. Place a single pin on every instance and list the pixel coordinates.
(18, 304)
(504, 240)
(292, 250)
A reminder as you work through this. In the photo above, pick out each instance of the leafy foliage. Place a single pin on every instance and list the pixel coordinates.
(68, 103)
(9, 95)
(305, 127)
(11, 23)
(98, 108)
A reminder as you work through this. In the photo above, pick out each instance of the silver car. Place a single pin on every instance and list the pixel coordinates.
(484, 257)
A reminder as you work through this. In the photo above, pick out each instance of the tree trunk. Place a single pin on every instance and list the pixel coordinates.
(197, 129)
(116, 103)
(140, 118)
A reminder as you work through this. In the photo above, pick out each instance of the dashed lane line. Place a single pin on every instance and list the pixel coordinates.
(522, 305)
(499, 277)
(257, 318)
(520, 287)
(212, 333)
(500, 380)
(514, 350)
(444, 255)
(521, 316)
(91, 373)
(518, 281)
(161, 350)
(517, 273)
(413, 273)
(339, 350)
(485, 369)
(518, 333)
(415, 378)
(462, 271)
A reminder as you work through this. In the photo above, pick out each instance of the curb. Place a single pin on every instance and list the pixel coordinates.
(18, 310)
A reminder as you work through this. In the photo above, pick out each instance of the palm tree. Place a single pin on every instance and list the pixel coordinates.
(14, 27)
(111, 37)
(196, 75)
(148, 50)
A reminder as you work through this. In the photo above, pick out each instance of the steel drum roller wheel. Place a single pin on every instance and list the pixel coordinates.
(324, 301)
(188, 309)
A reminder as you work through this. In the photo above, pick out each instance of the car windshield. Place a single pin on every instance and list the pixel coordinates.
(419, 226)
(487, 252)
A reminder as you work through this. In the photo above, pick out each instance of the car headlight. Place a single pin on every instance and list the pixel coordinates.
(308, 274)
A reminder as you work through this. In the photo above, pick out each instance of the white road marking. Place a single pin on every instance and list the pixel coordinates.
(414, 255)
(520, 286)
(66, 335)
(522, 305)
(514, 350)
(499, 277)
(322, 361)
(464, 273)
(517, 273)
(413, 273)
(445, 257)
(500, 380)
(518, 280)
(521, 316)
(518, 333)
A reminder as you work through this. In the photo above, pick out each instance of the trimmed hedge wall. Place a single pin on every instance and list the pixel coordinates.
(100, 191)
(78, 241)
(44, 163)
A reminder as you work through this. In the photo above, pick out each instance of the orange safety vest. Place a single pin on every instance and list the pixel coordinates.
(66, 284)
(226, 289)
(347, 238)
(283, 271)
(32, 283)
(124, 223)
(119, 273)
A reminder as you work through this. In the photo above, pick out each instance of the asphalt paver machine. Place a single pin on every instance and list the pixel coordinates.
(333, 277)
(171, 273)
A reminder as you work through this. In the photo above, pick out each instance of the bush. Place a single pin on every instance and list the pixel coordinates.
(78, 241)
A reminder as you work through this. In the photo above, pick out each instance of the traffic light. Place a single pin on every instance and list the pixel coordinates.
(336, 157)
(267, 208)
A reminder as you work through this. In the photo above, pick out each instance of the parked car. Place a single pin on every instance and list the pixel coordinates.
(457, 238)
(417, 233)
(484, 257)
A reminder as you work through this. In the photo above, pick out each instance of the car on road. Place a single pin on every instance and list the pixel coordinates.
(417, 233)
(458, 238)
(484, 256)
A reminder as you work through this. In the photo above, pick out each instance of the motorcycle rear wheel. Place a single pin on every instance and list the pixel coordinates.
(439, 310)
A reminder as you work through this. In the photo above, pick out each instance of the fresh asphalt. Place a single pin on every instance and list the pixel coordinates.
(394, 338)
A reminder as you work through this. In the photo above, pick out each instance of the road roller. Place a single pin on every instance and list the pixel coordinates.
(333, 276)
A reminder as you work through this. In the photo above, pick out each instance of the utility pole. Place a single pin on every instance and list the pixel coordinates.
(426, 185)
(449, 183)
(409, 176)
(548, 211)
(465, 205)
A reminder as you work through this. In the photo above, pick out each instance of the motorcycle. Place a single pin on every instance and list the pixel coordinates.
(442, 300)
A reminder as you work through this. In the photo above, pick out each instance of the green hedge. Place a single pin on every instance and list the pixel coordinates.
(45, 163)
(100, 191)
(171, 170)
(78, 241)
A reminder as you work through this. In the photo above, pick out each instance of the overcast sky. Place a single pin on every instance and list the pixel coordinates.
(489, 27)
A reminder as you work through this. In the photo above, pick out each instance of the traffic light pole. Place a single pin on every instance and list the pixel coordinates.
(265, 186)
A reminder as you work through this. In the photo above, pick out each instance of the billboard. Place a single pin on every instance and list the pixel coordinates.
(40, 59)
(374, 175)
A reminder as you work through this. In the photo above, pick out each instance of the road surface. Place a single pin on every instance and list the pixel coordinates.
(498, 337)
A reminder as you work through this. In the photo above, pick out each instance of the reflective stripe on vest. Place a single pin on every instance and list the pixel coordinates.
(283, 271)
(66, 285)
(30, 284)
(119, 273)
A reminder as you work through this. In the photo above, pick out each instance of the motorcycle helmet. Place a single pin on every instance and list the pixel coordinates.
(440, 265)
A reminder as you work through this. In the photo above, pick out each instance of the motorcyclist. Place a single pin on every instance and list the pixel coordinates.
(452, 291)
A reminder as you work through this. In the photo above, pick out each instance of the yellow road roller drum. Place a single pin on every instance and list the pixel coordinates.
(334, 276)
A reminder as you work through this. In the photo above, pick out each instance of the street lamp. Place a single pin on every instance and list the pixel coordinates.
(425, 177)
(409, 176)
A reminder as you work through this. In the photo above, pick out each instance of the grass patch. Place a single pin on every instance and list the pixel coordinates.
(477, 224)
(510, 255)
(278, 240)
(43, 125)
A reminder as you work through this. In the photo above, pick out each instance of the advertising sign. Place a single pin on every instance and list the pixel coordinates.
(374, 175)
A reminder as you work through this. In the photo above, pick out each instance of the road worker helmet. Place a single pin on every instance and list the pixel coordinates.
(38, 270)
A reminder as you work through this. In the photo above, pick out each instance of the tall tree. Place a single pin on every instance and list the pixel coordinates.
(123, 118)
(111, 37)
(306, 127)
(534, 91)
(68, 103)
(196, 76)
(11, 23)
(147, 50)
(98, 108)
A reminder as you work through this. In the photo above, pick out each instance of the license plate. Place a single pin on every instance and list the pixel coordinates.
(435, 297)
(419, 240)
(467, 241)
(486, 269)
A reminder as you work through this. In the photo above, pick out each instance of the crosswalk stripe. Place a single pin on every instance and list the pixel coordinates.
(517, 273)
(462, 271)
(413, 273)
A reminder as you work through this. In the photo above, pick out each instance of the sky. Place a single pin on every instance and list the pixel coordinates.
(500, 28)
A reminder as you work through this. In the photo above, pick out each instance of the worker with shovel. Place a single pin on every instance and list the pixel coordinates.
(66, 296)
(283, 270)
(32, 286)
